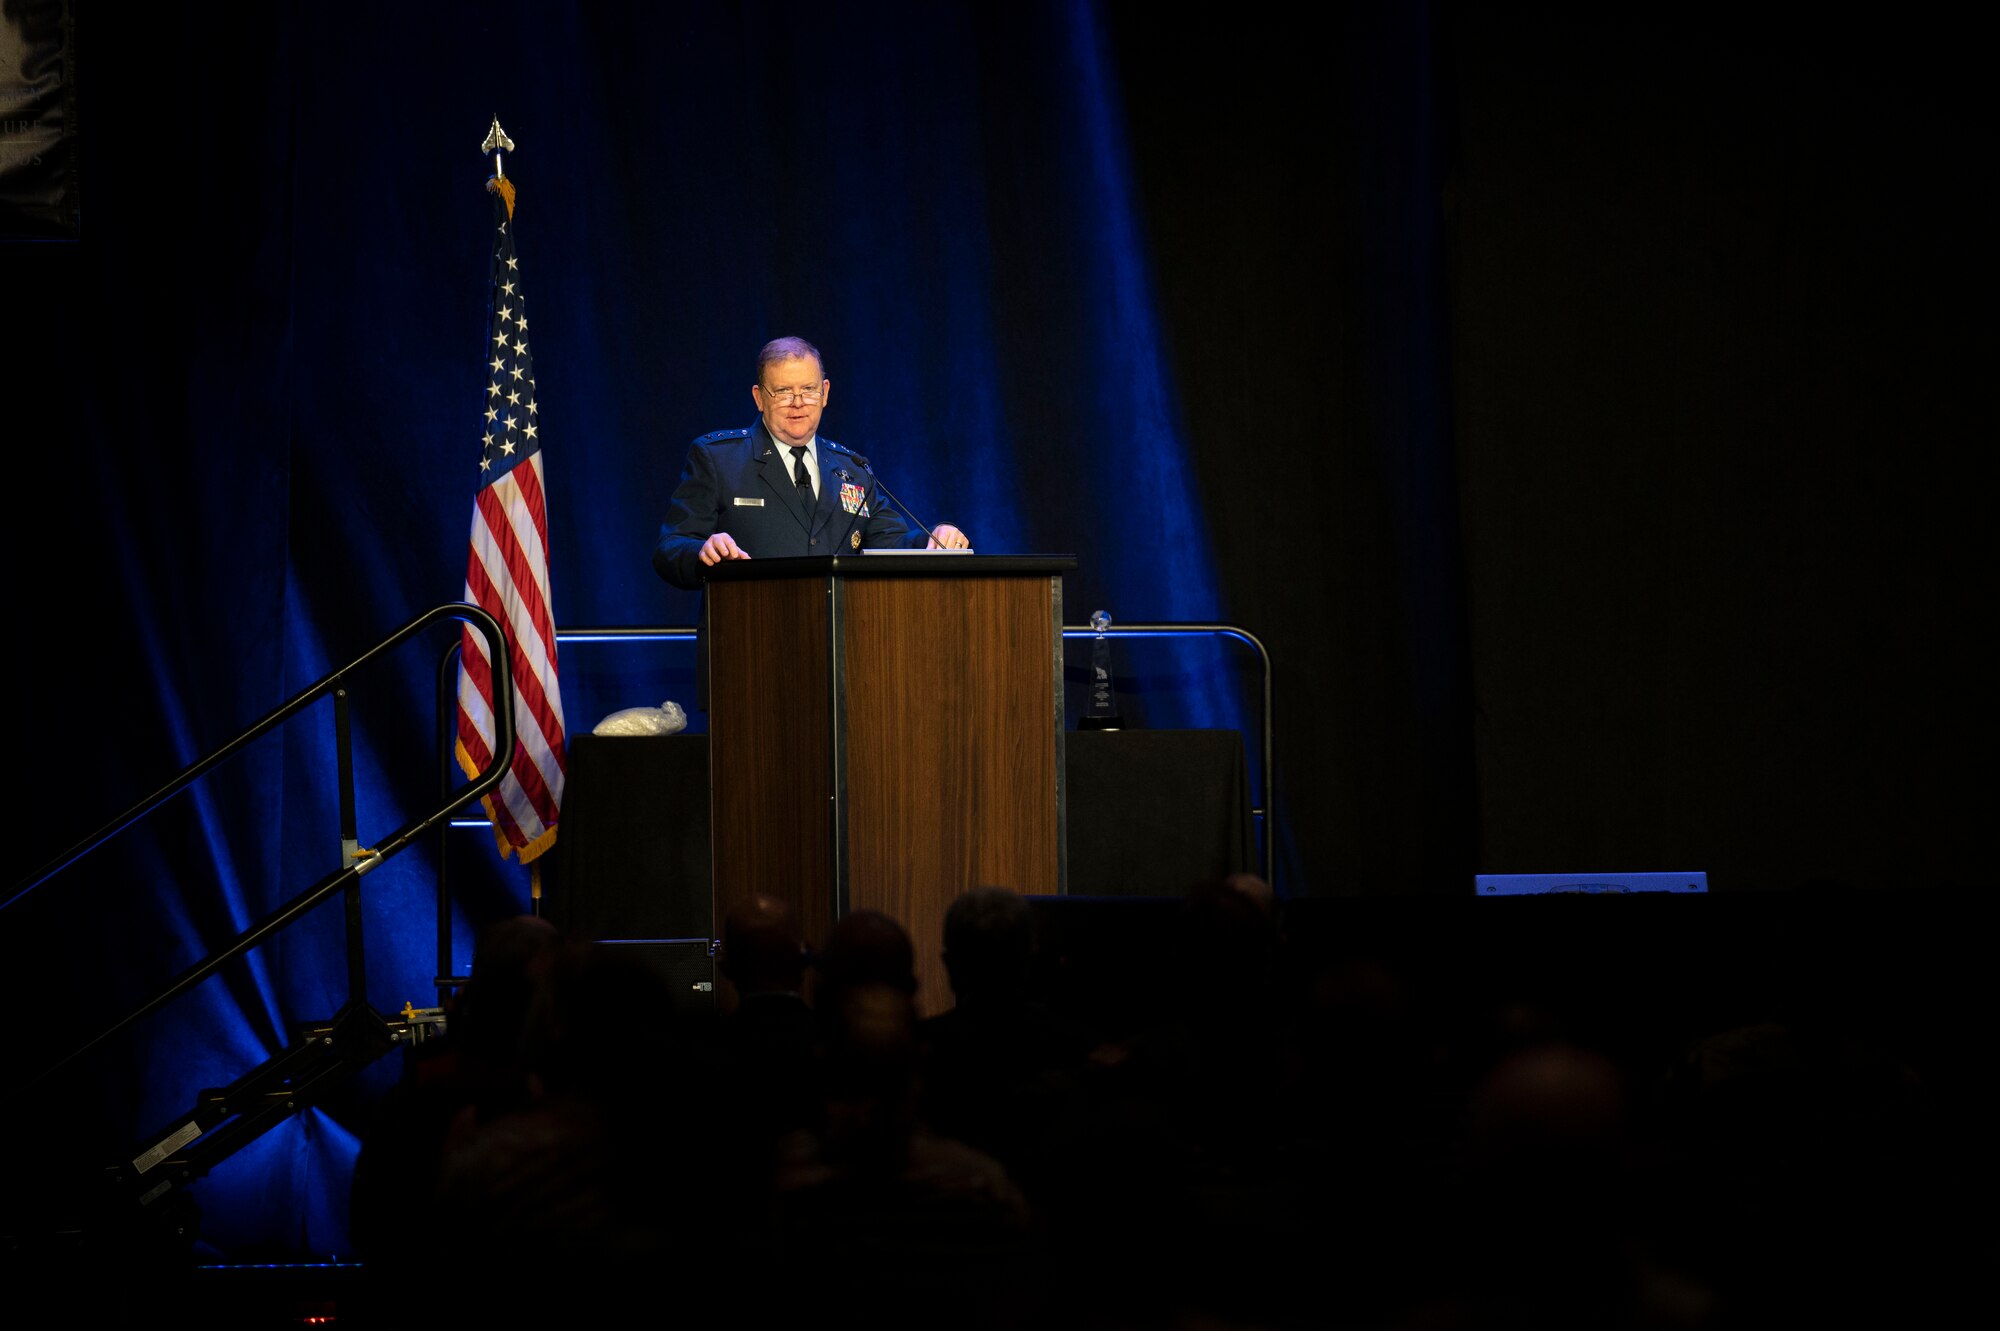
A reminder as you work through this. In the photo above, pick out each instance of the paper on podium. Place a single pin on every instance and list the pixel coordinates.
(888, 550)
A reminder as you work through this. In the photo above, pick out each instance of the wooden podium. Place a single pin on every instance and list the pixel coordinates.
(886, 731)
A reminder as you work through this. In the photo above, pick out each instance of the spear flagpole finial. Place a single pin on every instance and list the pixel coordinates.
(496, 143)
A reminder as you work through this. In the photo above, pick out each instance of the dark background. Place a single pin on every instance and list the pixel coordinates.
(1581, 405)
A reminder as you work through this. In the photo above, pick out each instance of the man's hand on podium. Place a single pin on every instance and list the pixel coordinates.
(720, 547)
(944, 536)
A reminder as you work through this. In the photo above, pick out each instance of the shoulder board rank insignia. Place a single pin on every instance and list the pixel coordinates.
(719, 435)
(842, 448)
(854, 539)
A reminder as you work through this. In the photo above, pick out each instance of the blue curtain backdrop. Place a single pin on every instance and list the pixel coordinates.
(269, 351)
(1578, 407)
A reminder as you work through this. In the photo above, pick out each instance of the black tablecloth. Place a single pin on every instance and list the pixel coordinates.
(1150, 813)
(632, 858)
(1153, 812)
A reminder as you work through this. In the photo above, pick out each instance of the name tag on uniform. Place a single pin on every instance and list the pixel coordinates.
(749, 503)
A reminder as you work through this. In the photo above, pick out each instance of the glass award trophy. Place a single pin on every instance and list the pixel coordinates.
(1102, 711)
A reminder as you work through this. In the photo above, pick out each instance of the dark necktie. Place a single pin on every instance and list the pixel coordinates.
(802, 478)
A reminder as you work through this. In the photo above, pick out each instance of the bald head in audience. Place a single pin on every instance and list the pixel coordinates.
(762, 950)
(868, 947)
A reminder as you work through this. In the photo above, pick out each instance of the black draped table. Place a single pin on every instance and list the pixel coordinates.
(1149, 813)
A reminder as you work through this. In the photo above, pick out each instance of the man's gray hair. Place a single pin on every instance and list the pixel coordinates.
(781, 349)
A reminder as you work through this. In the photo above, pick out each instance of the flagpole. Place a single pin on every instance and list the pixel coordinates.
(507, 564)
(496, 143)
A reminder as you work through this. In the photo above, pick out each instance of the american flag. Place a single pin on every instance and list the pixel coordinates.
(508, 572)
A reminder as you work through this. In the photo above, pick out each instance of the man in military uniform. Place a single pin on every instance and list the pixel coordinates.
(778, 488)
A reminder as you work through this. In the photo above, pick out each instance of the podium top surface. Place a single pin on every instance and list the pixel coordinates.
(897, 564)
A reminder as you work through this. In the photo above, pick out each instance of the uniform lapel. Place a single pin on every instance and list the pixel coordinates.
(774, 466)
(770, 466)
(829, 487)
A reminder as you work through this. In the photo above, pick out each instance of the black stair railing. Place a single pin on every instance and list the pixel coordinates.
(348, 877)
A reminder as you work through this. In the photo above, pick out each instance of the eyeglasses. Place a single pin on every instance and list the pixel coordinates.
(785, 396)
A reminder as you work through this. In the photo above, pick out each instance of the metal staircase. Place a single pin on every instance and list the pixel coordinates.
(137, 1203)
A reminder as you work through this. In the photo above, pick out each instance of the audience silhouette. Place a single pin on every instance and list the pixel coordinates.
(1303, 1135)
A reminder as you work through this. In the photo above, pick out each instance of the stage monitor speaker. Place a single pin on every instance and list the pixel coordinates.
(684, 963)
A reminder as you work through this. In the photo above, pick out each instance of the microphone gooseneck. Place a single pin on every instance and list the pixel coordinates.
(877, 487)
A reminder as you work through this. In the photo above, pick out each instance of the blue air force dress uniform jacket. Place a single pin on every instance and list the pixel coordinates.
(740, 481)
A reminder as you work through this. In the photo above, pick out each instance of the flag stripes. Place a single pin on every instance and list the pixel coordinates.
(507, 574)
